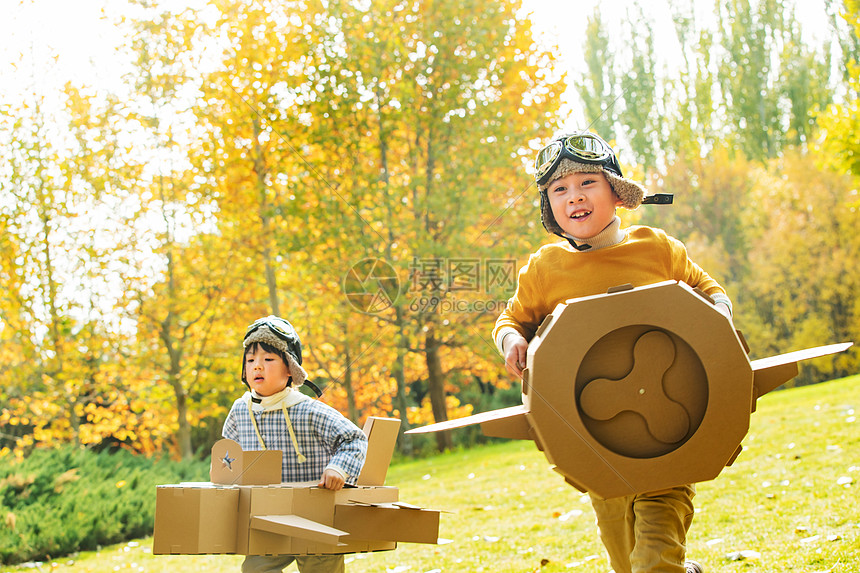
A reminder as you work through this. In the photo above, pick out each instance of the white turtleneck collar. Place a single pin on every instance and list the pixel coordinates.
(612, 234)
(285, 398)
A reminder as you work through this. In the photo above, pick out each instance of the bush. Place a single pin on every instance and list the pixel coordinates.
(59, 501)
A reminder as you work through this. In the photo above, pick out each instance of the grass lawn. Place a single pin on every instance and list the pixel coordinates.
(789, 503)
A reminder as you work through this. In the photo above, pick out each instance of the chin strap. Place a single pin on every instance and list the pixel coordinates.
(314, 387)
(580, 248)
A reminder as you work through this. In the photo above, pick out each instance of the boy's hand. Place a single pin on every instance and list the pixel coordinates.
(331, 480)
(515, 353)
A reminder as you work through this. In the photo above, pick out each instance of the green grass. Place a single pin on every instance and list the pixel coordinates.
(784, 499)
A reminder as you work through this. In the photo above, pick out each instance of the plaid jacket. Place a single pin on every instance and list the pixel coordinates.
(325, 437)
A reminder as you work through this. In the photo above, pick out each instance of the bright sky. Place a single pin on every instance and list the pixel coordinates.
(81, 40)
(41, 30)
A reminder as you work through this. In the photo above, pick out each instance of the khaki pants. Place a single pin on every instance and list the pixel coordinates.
(646, 532)
(306, 563)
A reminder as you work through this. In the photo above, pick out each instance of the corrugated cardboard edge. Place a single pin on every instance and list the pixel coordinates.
(381, 438)
(191, 520)
(230, 465)
(295, 526)
(770, 373)
(505, 423)
(397, 522)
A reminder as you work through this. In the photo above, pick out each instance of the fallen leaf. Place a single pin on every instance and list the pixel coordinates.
(743, 555)
(574, 564)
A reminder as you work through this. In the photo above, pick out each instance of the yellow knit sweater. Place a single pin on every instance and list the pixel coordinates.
(557, 272)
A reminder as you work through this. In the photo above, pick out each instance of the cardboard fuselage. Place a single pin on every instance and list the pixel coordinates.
(245, 509)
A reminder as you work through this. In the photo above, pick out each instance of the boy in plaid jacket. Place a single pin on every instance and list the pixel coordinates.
(318, 443)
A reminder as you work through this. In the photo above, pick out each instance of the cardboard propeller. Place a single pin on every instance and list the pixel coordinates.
(246, 510)
(638, 390)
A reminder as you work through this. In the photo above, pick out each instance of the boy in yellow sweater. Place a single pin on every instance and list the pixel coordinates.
(581, 185)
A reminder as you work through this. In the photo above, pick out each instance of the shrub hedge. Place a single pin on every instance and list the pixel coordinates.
(58, 501)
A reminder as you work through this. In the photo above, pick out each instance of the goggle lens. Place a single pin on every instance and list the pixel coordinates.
(586, 147)
(583, 147)
(547, 156)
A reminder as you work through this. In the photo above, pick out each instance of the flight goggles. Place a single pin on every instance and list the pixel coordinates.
(581, 147)
(280, 328)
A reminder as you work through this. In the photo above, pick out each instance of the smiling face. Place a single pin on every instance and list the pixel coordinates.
(266, 372)
(583, 204)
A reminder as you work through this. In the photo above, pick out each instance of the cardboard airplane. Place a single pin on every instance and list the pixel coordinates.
(246, 510)
(638, 390)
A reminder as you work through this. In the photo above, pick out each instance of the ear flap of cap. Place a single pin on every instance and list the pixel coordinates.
(296, 371)
(630, 192)
(547, 219)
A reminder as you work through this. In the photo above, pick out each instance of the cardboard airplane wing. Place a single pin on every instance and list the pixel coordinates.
(295, 526)
(246, 510)
(638, 389)
(504, 423)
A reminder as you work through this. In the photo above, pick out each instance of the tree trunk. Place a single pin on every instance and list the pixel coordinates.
(436, 385)
(174, 378)
(399, 372)
(265, 221)
(183, 435)
(352, 410)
